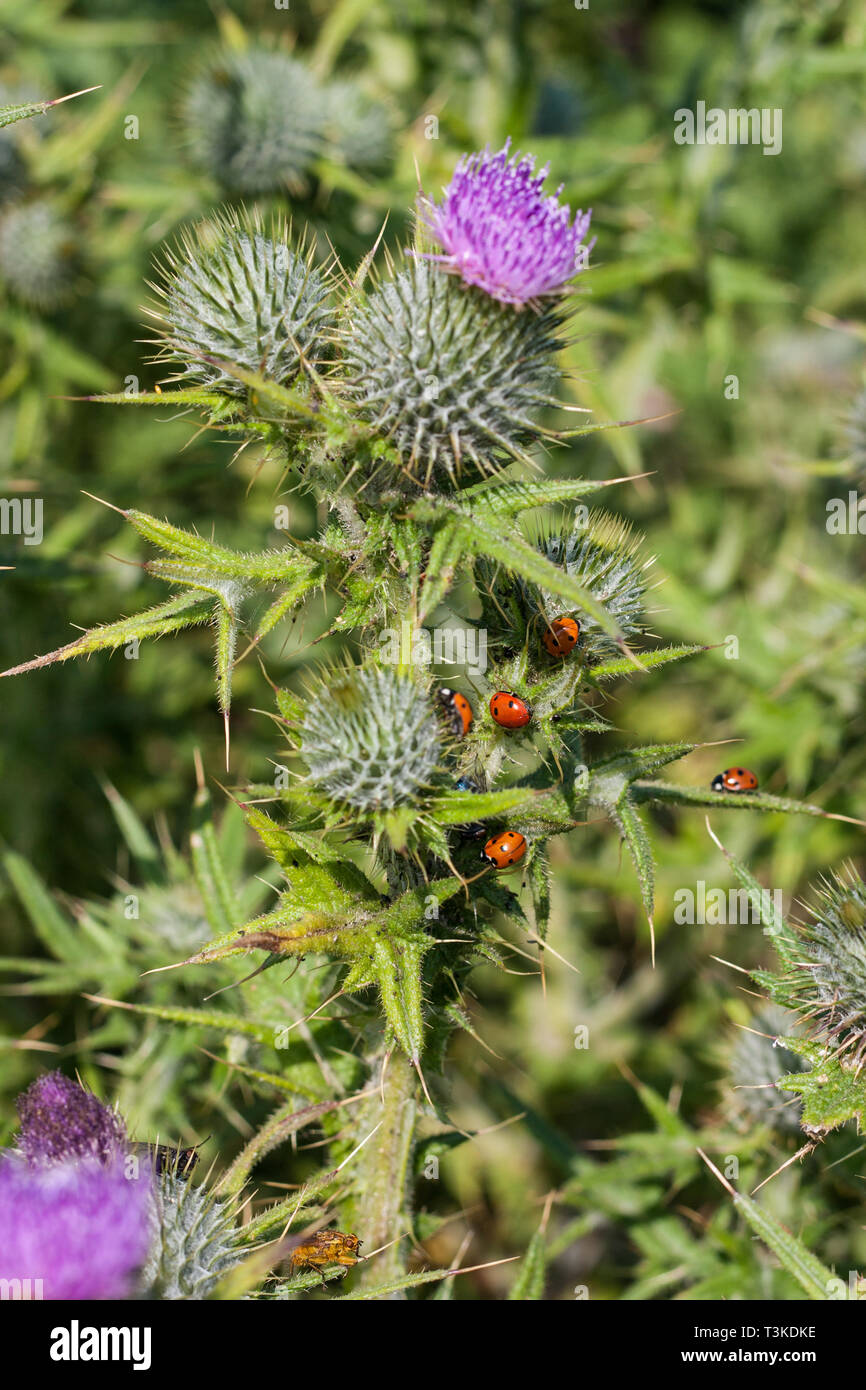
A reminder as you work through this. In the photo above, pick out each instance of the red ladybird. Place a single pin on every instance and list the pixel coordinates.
(735, 779)
(458, 710)
(561, 637)
(504, 850)
(509, 711)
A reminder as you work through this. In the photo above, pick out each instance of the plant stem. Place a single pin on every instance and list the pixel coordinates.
(383, 1169)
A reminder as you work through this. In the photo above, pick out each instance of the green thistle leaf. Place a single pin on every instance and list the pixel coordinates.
(22, 111)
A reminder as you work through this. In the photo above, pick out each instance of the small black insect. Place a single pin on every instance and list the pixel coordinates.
(168, 1159)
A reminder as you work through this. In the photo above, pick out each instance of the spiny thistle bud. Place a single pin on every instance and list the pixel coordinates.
(37, 255)
(61, 1121)
(370, 739)
(234, 293)
(501, 233)
(358, 127)
(193, 1241)
(829, 975)
(255, 121)
(603, 555)
(756, 1064)
(448, 375)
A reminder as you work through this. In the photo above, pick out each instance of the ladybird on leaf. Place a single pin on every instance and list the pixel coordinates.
(735, 779)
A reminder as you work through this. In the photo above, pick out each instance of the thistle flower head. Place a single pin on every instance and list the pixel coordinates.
(82, 1228)
(499, 231)
(448, 376)
(255, 121)
(60, 1122)
(829, 979)
(234, 293)
(370, 738)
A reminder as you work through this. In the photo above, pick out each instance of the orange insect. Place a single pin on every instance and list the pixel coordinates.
(504, 849)
(326, 1248)
(561, 637)
(458, 710)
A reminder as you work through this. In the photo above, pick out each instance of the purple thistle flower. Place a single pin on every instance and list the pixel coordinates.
(501, 233)
(81, 1228)
(60, 1121)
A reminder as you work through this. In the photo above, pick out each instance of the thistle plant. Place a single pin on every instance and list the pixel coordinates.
(258, 121)
(93, 1216)
(413, 402)
(450, 379)
(821, 978)
(36, 254)
(254, 120)
(235, 286)
(38, 249)
(368, 740)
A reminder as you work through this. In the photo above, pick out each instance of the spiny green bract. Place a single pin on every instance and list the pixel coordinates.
(448, 375)
(255, 121)
(234, 293)
(193, 1243)
(370, 739)
(37, 255)
(830, 973)
(757, 1062)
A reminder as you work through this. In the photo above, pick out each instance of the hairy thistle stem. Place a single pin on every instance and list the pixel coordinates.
(382, 1175)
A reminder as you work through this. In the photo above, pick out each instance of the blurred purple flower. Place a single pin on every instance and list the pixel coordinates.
(61, 1121)
(501, 233)
(81, 1228)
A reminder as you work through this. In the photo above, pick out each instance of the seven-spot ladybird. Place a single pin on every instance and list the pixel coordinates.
(505, 849)
(561, 637)
(474, 829)
(509, 711)
(458, 709)
(735, 779)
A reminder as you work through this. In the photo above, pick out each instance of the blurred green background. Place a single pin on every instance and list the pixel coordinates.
(710, 263)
